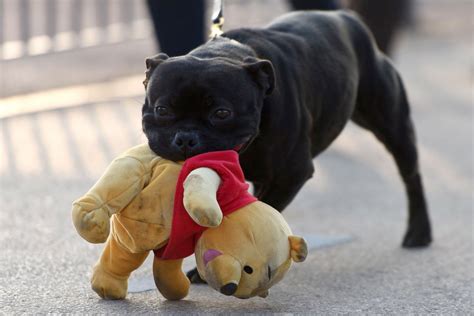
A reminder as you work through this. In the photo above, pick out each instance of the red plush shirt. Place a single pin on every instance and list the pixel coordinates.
(231, 195)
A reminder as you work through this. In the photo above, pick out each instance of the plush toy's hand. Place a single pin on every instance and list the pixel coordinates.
(199, 198)
(92, 225)
(121, 182)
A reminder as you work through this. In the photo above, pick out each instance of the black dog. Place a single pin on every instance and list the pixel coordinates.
(280, 95)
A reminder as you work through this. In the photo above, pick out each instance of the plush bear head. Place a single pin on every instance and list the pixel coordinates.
(249, 252)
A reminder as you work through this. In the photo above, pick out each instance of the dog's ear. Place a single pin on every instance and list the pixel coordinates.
(151, 63)
(262, 72)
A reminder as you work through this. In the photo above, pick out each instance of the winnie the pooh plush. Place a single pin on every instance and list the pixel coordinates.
(242, 246)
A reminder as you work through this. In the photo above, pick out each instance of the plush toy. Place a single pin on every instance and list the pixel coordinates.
(242, 246)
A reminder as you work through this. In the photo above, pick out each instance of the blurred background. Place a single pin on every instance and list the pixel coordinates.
(71, 90)
(83, 53)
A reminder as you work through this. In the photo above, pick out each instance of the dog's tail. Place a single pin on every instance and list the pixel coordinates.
(217, 19)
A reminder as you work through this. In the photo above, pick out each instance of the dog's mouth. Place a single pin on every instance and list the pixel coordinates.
(240, 148)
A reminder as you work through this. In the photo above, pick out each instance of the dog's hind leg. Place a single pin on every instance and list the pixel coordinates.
(382, 107)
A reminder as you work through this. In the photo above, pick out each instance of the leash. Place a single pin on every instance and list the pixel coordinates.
(217, 19)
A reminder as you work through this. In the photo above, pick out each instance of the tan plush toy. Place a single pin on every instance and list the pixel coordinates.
(242, 246)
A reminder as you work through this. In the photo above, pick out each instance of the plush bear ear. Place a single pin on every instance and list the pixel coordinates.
(298, 248)
(262, 72)
(151, 63)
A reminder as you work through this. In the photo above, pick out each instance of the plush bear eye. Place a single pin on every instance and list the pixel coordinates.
(248, 269)
(269, 273)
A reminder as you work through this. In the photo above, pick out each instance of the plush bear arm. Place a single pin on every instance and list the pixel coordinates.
(199, 198)
(121, 182)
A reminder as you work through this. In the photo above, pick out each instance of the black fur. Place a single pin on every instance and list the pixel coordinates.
(290, 89)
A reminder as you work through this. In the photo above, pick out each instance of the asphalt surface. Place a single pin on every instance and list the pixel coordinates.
(50, 158)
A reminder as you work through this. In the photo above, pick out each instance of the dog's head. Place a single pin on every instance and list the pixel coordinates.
(196, 105)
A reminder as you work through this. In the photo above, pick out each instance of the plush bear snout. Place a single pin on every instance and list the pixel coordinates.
(229, 289)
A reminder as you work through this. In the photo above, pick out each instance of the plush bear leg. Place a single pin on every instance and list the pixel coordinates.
(170, 279)
(110, 276)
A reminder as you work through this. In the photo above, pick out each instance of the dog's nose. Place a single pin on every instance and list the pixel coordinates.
(185, 141)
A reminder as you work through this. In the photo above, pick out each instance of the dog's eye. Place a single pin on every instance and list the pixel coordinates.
(269, 272)
(248, 269)
(161, 110)
(222, 114)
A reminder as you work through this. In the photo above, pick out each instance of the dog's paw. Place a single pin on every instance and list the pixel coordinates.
(194, 277)
(417, 238)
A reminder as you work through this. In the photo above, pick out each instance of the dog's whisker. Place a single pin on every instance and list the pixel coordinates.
(136, 100)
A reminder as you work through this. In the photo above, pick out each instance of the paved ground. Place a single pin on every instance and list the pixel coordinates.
(50, 158)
